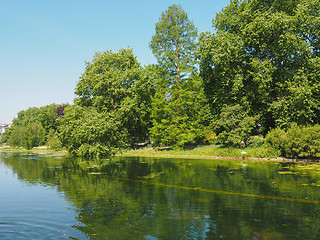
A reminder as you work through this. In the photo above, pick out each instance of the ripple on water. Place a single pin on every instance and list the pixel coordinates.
(36, 230)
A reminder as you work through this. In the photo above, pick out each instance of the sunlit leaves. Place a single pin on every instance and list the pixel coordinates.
(112, 107)
(263, 57)
(178, 107)
(174, 42)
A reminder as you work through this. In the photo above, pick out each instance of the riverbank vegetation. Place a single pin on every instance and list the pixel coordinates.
(253, 83)
(265, 152)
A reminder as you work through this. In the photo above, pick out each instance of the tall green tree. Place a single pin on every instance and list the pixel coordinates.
(174, 44)
(31, 127)
(116, 83)
(265, 57)
(188, 126)
(178, 97)
(86, 132)
(114, 93)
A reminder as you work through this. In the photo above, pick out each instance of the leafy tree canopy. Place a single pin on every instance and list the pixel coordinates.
(234, 127)
(32, 126)
(187, 126)
(112, 107)
(174, 43)
(87, 132)
(179, 107)
(265, 57)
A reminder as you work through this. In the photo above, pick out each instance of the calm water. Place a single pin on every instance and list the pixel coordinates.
(50, 197)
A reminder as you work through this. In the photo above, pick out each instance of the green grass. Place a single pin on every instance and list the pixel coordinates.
(210, 150)
(205, 150)
(34, 150)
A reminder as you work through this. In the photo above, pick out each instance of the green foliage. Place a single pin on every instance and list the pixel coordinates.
(83, 130)
(95, 150)
(264, 151)
(256, 141)
(53, 141)
(113, 105)
(296, 142)
(14, 136)
(107, 80)
(276, 139)
(265, 56)
(234, 127)
(44, 115)
(116, 85)
(183, 121)
(34, 135)
(32, 127)
(174, 43)
(179, 109)
(29, 136)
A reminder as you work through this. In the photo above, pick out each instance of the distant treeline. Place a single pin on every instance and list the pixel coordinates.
(259, 70)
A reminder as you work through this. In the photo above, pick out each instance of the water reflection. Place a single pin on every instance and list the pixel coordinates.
(143, 198)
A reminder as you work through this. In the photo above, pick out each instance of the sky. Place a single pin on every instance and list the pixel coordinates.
(44, 44)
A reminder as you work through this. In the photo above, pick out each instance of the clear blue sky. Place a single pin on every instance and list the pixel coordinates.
(44, 43)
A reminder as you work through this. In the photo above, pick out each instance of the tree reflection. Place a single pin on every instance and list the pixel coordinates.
(134, 198)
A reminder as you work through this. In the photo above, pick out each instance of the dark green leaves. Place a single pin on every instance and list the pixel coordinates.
(264, 57)
(234, 126)
(112, 107)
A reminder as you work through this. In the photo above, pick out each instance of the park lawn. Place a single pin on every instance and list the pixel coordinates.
(208, 150)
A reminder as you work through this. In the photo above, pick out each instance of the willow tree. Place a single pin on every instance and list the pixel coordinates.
(175, 114)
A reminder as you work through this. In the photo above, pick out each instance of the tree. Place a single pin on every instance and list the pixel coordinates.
(190, 125)
(115, 82)
(174, 43)
(234, 126)
(86, 132)
(265, 57)
(34, 135)
(112, 107)
(53, 141)
(29, 136)
(178, 99)
(32, 126)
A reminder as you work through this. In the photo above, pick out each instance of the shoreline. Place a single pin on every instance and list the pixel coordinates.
(63, 152)
(279, 159)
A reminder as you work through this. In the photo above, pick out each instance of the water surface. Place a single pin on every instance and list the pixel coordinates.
(52, 197)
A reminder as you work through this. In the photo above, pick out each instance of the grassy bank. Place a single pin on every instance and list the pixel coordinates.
(33, 150)
(208, 150)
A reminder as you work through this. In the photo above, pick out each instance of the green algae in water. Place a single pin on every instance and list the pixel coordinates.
(131, 198)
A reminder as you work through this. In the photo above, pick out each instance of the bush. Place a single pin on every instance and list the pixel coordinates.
(53, 141)
(256, 141)
(30, 136)
(296, 142)
(93, 151)
(209, 136)
(234, 127)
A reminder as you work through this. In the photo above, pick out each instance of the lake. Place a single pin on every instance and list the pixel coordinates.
(62, 197)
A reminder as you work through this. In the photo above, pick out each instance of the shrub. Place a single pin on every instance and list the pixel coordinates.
(53, 141)
(296, 142)
(93, 151)
(210, 136)
(234, 126)
(256, 141)
(30, 136)
(276, 139)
